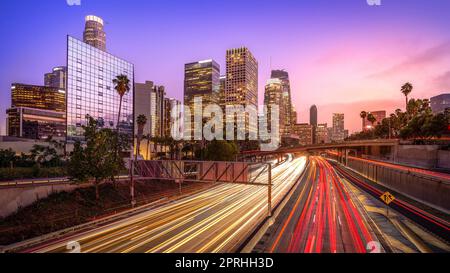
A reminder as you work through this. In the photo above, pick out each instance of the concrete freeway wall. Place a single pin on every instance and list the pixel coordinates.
(13, 198)
(431, 191)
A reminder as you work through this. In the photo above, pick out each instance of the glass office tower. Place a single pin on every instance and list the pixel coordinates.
(90, 89)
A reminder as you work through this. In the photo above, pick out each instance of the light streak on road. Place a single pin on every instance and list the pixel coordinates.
(216, 220)
(323, 217)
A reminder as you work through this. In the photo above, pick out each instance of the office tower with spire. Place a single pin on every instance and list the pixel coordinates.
(286, 102)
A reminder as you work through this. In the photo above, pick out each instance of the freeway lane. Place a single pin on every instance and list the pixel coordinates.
(322, 217)
(437, 225)
(216, 220)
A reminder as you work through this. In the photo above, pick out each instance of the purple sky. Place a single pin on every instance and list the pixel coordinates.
(343, 55)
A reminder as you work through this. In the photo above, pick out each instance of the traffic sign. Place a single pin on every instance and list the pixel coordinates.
(387, 198)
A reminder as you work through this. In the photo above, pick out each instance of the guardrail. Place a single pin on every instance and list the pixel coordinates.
(58, 234)
(44, 182)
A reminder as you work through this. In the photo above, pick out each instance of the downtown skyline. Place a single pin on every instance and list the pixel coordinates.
(334, 61)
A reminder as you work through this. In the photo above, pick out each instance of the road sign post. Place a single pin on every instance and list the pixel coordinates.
(387, 198)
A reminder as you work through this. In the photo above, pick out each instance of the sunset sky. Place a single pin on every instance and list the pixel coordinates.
(342, 55)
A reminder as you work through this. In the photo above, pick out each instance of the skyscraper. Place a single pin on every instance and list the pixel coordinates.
(313, 116)
(273, 95)
(56, 78)
(241, 87)
(201, 80)
(94, 33)
(90, 89)
(286, 101)
(338, 133)
(149, 101)
(313, 122)
(222, 96)
(171, 125)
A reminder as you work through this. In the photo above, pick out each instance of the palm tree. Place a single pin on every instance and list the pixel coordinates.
(122, 86)
(141, 121)
(371, 118)
(363, 116)
(406, 90)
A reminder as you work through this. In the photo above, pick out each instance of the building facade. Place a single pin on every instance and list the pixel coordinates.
(440, 103)
(39, 97)
(90, 89)
(94, 33)
(149, 101)
(286, 105)
(322, 133)
(305, 133)
(338, 133)
(379, 116)
(172, 118)
(273, 95)
(38, 124)
(56, 78)
(241, 87)
(313, 121)
(201, 80)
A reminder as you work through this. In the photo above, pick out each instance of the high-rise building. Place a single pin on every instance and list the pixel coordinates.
(241, 87)
(94, 33)
(33, 123)
(171, 125)
(313, 116)
(273, 95)
(379, 116)
(286, 108)
(201, 80)
(294, 118)
(39, 97)
(90, 89)
(313, 122)
(305, 133)
(440, 103)
(149, 101)
(56, 78)
(322, 133)
(338, 134)
(222, 96)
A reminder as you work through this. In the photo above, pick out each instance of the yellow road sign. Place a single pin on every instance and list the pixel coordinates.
(387, 198)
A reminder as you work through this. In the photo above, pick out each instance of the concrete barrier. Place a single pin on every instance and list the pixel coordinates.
(13, 198)
(443, 160)
(423, 188)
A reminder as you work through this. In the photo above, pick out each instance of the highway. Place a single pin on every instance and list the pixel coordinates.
(321, 218)
(215, 220)
(333, 210)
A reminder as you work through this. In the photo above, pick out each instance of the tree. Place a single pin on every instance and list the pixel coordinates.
(141, 121)
(363, 116)
(7, 157)
(122, 87)
(221, 150)
(371, 118)
(406, 90)
(97, 159)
